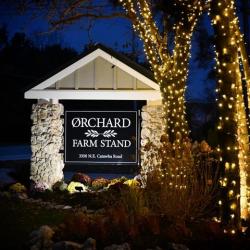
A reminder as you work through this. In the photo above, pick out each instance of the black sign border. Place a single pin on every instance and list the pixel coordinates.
(101, 163)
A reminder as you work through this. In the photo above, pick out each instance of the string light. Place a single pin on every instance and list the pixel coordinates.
(233, 125)
(171, 70)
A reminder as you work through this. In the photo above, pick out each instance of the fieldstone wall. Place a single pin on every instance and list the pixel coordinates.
(152, 129)
(46, 141)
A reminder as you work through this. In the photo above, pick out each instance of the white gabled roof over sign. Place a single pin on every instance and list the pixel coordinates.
(100, 75)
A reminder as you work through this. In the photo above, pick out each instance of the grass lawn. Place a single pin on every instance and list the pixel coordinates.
(18, 219)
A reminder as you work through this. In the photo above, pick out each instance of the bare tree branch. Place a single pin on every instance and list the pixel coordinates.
(78, 16)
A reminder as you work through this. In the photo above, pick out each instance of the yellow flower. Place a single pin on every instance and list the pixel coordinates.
(115, 181)
(132, 183)
(18, 188)
(76, 187)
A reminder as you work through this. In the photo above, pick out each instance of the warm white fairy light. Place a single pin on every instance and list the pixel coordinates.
(171, 70)
(226, 22)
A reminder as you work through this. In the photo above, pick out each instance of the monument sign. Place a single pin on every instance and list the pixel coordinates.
(101, 137)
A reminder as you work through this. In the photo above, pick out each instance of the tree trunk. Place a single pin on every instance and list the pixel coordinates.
(232, 125)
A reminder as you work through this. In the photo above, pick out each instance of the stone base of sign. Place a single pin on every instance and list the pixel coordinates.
(152, 128)
(46, 142)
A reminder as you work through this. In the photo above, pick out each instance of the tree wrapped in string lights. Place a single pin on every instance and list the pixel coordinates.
(232, 70)
(171, 70)
(170, 67)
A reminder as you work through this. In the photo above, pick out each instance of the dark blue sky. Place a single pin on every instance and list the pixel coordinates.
(113, 33)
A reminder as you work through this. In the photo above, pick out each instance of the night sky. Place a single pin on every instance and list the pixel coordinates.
(114, 33)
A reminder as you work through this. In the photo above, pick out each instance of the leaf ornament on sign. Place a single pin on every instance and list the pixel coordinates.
(91, 133)
(109, 133)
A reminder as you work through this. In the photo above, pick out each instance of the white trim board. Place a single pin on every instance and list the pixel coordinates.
(94, 94)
